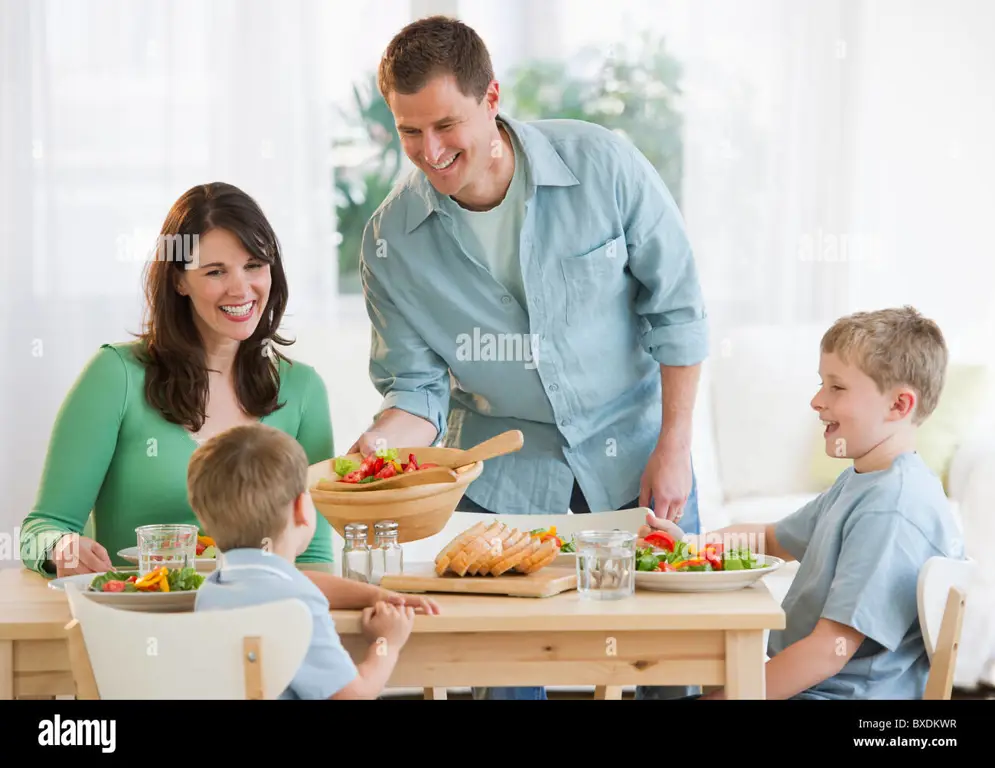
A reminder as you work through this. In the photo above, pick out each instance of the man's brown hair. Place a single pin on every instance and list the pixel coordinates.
(241, 482)
(436, 45)
(894, 347)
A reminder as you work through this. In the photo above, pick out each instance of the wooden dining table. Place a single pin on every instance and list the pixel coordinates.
(648, 638)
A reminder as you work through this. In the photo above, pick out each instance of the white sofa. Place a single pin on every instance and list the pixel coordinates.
(755, 432)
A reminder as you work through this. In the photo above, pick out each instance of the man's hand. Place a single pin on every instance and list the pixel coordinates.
(420, 603)
(395, 428)
(78, 554)
(369, 442)
(667, 480)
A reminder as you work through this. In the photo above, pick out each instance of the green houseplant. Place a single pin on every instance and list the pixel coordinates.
(633, 89)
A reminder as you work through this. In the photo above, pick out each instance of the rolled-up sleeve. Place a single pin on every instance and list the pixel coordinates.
(403, 368)
(661, 259)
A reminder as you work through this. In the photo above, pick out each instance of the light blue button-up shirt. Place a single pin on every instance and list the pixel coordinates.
(612, 294)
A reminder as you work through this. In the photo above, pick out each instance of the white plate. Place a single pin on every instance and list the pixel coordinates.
(705, 581)
(202, 563)
(152, 602)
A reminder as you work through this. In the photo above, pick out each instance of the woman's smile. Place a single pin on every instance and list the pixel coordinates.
(239, 313)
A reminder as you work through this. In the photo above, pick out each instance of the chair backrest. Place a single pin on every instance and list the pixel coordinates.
(237, 653)
(936, 578)
(943, 664)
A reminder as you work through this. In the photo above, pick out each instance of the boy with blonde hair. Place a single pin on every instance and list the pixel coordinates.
(248, 488)
(852, 629)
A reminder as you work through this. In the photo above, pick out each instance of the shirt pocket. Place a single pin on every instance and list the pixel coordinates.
(593, 278)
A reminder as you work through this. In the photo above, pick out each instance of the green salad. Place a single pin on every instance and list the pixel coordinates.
(159, 580)
(667, 555)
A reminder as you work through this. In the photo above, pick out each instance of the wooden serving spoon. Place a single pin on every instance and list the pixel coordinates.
(499, 445)
(438, 474)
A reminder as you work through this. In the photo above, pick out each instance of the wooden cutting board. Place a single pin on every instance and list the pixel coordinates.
(421, 577)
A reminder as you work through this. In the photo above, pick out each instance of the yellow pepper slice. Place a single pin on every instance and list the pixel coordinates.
(207, 541)
(150, 578)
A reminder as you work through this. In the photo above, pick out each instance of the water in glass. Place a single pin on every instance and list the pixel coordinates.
(606, 564)
(172, 546)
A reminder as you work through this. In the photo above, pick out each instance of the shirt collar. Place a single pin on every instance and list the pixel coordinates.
(545, 166)
(252, 556)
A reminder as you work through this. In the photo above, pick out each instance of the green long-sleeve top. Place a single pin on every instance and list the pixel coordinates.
(113, 454)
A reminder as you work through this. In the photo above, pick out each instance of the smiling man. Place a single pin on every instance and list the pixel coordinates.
(557, 249)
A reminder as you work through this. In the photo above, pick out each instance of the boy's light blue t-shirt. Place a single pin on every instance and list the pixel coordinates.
(861, 547)
(251, 577)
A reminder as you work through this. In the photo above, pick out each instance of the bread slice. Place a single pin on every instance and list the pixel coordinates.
(540, 558)
(514, 555)
(493, 553)
(475, 547)
(492, 544)
(453, 547)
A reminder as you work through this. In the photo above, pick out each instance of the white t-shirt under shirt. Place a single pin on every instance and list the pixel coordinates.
(493, 236)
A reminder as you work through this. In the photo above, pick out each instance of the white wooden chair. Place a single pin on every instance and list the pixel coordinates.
(566, 525)
(941, 594)
(239, 653)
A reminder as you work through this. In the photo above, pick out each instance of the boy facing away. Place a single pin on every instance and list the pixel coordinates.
(852, 624)
(248, 488)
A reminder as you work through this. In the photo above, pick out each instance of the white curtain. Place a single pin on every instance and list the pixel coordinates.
(109, 111)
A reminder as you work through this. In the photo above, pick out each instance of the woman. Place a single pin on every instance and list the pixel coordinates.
(206, 361)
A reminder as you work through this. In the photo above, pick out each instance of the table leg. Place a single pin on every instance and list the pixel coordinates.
(437, 694)
(608, 692)
(6, 670)
(745, 673)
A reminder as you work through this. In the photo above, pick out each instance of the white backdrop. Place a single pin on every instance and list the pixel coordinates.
(855, 128)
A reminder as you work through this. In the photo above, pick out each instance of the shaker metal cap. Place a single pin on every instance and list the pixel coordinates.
(356, 529)
(386, 525)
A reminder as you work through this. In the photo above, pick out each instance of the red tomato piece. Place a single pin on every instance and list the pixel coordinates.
(388, 470)
(114, 586)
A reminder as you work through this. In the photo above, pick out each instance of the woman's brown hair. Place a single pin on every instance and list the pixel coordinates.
(176, 375)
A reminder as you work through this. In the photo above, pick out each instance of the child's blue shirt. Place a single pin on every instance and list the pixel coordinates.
(861, 547)
(252, 576)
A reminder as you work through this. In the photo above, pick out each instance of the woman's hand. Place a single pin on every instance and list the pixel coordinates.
(75, 554)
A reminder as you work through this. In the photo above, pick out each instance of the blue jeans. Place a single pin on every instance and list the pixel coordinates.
(689, 523)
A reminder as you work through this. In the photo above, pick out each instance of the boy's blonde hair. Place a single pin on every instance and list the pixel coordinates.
(894, 347)
(241, 482)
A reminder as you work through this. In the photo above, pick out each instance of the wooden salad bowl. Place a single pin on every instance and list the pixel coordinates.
(420, 511)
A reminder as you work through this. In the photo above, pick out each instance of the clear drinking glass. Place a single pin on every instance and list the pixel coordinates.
(606, 564)
(173, 546)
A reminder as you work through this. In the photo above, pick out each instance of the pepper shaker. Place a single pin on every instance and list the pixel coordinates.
(388, 555)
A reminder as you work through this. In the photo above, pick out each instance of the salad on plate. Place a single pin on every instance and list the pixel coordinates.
(663, 554)
(160, 580)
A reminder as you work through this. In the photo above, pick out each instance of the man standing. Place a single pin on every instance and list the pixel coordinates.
(531, 276)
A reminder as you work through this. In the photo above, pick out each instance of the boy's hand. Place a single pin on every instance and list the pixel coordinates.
(654, 523)
(420, 603)
(388, 624)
